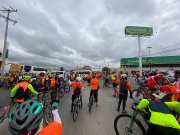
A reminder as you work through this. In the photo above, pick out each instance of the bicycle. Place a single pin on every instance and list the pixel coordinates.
(77, 105)
(47, 108)
(60, 92)
(91, 102)
(134, 127)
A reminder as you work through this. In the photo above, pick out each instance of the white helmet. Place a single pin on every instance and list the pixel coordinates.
(160, 96)
(124, 75)
(78, 79)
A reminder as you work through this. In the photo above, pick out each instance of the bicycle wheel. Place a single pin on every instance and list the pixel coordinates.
(122, 126)
(47, 109)
(137, 95)
(61, 93)
(91, 103)
(75, 112)
(48, 116)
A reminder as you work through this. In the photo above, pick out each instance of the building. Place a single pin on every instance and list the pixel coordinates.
(163, 63)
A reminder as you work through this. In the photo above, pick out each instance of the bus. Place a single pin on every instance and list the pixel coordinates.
(33, 69)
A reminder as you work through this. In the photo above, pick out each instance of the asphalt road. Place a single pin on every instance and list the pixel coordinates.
(98, 122)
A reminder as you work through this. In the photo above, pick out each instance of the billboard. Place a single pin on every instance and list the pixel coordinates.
(138, 31)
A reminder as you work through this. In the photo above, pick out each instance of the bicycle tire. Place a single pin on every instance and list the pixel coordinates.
(91, 103)
(75, 112)
(48, 116)
(138, 123)
(47, 110)
(61, 93)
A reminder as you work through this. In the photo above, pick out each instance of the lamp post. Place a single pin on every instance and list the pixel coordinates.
(149, 54)
(149, 50)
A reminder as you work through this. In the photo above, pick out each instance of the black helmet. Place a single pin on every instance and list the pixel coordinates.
(25, 117)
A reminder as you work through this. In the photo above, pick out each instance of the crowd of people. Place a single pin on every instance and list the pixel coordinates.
(30, 86)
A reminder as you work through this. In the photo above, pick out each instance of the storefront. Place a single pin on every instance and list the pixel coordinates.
(151, 63)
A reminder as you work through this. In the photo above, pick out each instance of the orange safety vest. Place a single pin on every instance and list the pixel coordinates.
(176, 91)
(94, 84)
(53, 82)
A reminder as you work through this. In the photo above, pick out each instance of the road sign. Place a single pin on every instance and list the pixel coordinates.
(138, 31)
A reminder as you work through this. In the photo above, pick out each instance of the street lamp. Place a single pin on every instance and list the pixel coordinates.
(149, 50)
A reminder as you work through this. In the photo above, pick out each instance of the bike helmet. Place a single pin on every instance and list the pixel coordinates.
(161, 96)
(124, 75)
(25, 117)
(78, 79)
(26, 77)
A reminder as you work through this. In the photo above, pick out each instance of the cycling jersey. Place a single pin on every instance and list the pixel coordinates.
(53, 128)
(94, 84)
(160, 113)
(176, 92)
(173, 89)
(151, 82)
(76, 86)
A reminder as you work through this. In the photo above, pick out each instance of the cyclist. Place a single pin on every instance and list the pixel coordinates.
(22, 90)
(123, 92)
(27, 119)
(160, 118)
(94, 85)
(115, 84)
(42, 82)
(154, 81)
(77, 87)
(53, 87)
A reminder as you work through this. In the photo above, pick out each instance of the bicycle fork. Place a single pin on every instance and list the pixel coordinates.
(130, 128)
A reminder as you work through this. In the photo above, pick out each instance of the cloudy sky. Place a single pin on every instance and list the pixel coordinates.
(88, 32)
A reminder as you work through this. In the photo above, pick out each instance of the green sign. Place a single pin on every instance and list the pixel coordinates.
(138, 31)
(159, 60)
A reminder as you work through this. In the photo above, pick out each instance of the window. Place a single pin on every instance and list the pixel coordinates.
(38, 69)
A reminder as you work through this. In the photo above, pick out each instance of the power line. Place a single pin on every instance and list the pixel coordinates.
(165, 51)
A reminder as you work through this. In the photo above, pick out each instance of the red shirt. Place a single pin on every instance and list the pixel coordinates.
(151, 83)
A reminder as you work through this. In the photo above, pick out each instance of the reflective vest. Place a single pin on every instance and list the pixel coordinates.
(161, 115)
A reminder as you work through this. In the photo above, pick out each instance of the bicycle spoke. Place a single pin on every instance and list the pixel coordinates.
(123, 126)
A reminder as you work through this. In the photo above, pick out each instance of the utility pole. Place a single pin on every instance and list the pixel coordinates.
(7, 19)
(140, 55)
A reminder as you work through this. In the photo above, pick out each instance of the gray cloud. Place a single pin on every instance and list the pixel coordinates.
(67, 33)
